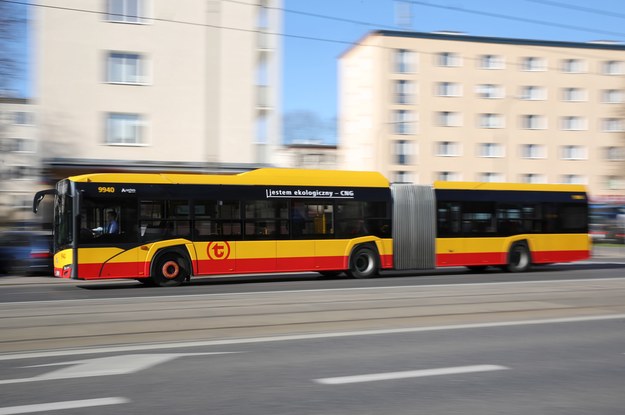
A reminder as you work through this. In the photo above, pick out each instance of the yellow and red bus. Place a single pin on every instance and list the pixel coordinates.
(172, 227)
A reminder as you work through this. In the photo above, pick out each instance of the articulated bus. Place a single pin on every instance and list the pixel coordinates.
(172, 227)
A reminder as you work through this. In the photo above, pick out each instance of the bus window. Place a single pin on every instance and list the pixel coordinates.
(312, 219)
(362, 218)
(266, 219)
(107, 220)
(163, 219)
(217, 220)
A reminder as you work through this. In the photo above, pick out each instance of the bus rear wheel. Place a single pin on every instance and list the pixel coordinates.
(363, 263)
(169, 271)
(519, 258)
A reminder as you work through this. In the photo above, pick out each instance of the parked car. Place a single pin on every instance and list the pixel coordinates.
(26, 253)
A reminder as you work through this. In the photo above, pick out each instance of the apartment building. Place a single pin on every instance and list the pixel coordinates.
(157, 84)
(19, 159)
(421, 107)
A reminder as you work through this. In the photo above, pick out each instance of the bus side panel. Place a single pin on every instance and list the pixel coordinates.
(296, 255)
(255, 256)
(95, 263)
(452, 252)
(546, 248)
(559, 248)
(216, 257)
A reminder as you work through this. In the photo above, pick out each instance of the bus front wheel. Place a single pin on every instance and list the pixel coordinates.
(363, 263)
(169, 270)
(519, 258)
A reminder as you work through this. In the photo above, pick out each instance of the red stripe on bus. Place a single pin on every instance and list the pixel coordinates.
(501, 258)
(230, 266)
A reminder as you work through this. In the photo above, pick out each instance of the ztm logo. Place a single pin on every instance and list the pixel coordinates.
(218, 250)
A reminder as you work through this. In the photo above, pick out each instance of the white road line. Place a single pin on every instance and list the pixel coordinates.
(374, 377)
(227, 342)
(57, 406)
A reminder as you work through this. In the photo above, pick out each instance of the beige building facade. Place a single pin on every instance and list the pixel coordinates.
(193, 84)
(421, 107)
(20, 151)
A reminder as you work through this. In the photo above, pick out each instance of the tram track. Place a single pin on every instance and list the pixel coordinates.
(52, 324)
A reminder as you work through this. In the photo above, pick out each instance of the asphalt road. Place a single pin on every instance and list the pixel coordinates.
(551, 341)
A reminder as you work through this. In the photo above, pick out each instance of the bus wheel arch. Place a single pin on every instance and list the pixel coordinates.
(519, 257)
(364, 261)
(169, 268)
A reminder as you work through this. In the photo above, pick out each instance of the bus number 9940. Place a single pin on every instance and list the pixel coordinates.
(104, 189)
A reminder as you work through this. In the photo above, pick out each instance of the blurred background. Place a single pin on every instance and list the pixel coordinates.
(529, 91)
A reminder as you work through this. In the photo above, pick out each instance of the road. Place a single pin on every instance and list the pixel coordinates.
(551, 341)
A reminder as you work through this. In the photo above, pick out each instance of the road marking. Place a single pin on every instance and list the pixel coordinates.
(103, 366)
(208, 343)
(374, 377)
(57, 406)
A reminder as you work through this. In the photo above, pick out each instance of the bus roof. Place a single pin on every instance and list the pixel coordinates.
(510, 186)
(264, 176)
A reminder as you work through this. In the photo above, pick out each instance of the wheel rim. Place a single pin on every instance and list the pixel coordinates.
(170, 270)
(364, 264)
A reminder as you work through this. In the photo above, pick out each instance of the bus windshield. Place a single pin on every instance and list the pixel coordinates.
(63, 216)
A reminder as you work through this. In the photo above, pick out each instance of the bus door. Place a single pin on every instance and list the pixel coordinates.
(107, 237)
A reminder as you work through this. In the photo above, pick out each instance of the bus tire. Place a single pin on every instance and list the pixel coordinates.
(169, 270)
(363, 263)
(519, 258)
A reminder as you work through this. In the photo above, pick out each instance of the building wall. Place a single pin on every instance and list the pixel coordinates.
(19, 159)
(403, 136)
(196, 94)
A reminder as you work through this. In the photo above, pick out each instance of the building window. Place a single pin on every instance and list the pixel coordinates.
(573, 179)
(126, 11)
(18, 145)
(447, 149)
(613, 68)
(533, 122)
(125, 129)
(611, 125)
(448, 119)
(404, 92)
(490, 177)
(402, 177)
(448, 59)
(573, 94)
(447, 176)
(402, 122)
(448, 89)
(612, 96)
(404, 61)
(21, 172)
(402, 151)
(491, 121)
(490, 150)
(533, 93)
(491, 62)
(574, 153)
(615, 182)
(532, 151)
(126, 68)
(614, 153)
(533, 178)
(532, 63)
(573, 66)
(489, 91)
(23, 118)
(574, 123)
